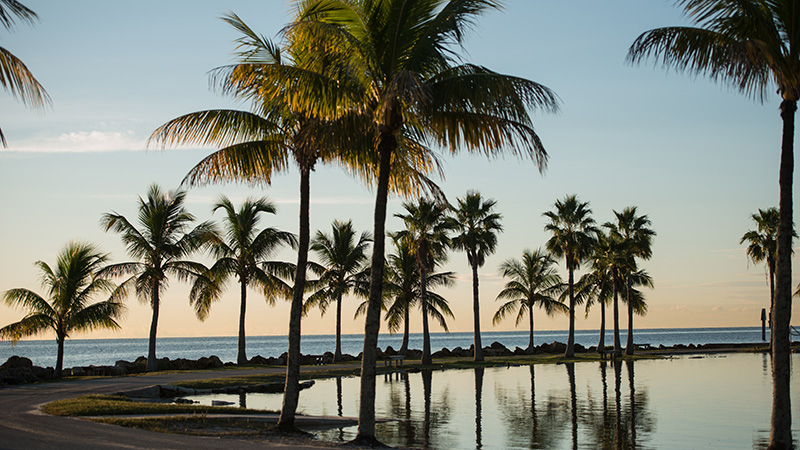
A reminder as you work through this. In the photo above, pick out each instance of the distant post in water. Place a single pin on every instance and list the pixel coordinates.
(763, 324)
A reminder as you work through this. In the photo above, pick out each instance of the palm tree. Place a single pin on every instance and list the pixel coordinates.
(255, 145)
(534, 282)
(426, 231)
(637, 236)
(751, 45)
(402, 292)
(635, 301)
(242, 251)
(67, 308)
(409, 81)
(14, 75)
(573, 238)
(476, 226)
(611, 255)
(158, 246)
(598, 288)
(343, 256)
(762, 246)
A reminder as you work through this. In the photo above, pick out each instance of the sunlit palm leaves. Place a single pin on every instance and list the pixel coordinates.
(67, 306)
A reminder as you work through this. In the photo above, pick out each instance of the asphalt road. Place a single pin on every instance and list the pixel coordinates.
(23, 426)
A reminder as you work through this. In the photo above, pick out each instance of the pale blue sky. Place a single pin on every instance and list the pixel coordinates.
(696, 157)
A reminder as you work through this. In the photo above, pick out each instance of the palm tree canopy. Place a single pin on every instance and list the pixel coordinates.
(573, 230)
(243, 250)
(343, 260)
(762, 243)
(15, 77)
(750, 44)
(160, 242)
(67, 305)
(534, 281)
(476, 227)
(401, 67)
(427, 230)
(634, 230)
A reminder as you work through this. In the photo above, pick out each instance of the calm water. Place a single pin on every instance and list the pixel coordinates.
(84, 352)
(719, 402)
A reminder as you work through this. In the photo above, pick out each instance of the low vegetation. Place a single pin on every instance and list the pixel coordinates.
(110, 405)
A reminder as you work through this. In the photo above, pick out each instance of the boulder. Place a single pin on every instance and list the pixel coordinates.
(390, 351)
(258, 359)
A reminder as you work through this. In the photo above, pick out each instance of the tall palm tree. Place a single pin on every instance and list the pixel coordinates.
(243, 251)
(158, 246)
(751, 45)
(402, 292)
(635, 233)
(476, 226)
(67, 307)
(427, 231)
(415, 89)
(573, 238)
(255, 145)
(597, 288)
(635, 300)
(534, 282)
(762, 246)
(611, 255)
(343, 257)
(14, 75)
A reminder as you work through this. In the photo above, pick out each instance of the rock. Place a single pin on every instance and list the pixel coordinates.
(390, 351)
(579, 348)
(17, 362)
(212, 362)
(258, 359)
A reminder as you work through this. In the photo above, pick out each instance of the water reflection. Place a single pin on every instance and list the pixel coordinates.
(709, 402)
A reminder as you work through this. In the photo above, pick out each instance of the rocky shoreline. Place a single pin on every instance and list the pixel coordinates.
(20, 370)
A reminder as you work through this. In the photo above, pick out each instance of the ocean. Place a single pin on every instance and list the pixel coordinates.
(85, 352)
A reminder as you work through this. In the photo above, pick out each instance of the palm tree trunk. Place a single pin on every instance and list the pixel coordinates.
(406, 330)
(629, 348)
(617, 344)
(571, 338)
(337, 354)
(241, 357)
(478, 405)
(781, 430)
(476, 312)
(426, 336)
(366, 411)
(601, 345)
(152, 363)
(529, 350)
(291, 392)
(771, 301)
(59, 356)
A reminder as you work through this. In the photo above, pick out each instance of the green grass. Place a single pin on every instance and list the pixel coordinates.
(105, 405)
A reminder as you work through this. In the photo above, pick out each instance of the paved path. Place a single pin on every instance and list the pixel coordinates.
(24, 427)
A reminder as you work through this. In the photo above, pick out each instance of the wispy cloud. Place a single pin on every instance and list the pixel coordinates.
(83, 142)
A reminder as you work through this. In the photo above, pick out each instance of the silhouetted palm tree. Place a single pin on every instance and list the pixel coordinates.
(344, 264)
(751, 45)
(762, 246)
(637, 237)
(476, 226)
(14, 75)
(427, 231)
(611, 254)
(416, 91)
(66, 308)
(534, 282)
(242, 251)
(573, 238)
(158, 245)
